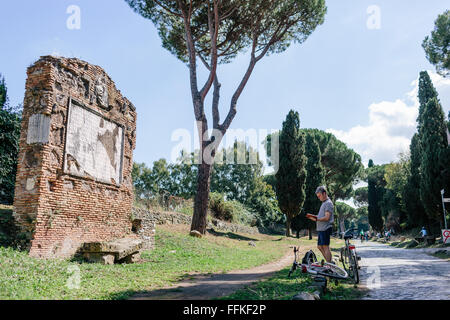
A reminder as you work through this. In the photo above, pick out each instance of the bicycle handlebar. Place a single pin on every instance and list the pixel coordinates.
(352, 229)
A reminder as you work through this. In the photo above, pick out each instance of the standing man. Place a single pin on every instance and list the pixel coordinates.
(324, 220)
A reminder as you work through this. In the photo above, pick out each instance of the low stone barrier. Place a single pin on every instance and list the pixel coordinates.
(160, 217)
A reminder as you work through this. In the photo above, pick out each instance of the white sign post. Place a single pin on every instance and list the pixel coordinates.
(445, 232)
(444, 200)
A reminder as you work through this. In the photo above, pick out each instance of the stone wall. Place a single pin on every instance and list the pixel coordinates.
(159, 217)
(74, 166)
(144, 225)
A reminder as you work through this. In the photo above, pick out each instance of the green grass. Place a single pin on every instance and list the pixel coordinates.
(409, 243)
(280, 287)
(441, 256)
(176, 256)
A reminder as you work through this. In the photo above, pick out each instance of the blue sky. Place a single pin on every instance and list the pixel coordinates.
(346, 78)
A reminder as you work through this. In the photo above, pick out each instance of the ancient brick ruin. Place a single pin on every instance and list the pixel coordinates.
(74, 168)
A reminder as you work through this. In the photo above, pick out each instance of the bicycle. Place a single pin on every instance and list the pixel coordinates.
(349, 258)
(310, 265)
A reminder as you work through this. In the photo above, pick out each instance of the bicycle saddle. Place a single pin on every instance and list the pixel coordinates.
(348, 235)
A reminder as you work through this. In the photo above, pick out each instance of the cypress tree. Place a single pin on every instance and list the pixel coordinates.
(426, 92)
(3, 92)
(315, 177)
(414, 208)
(291, 175)
(414, 202)
(434, 148)
(374, 195)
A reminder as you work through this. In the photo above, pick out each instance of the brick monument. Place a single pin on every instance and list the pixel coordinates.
(74, 166)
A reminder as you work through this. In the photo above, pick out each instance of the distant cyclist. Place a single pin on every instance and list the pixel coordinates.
(361, 235)
(387, 235)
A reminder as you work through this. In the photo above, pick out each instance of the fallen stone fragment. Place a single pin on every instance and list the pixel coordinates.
(304, 296)
(317, 295)
(195, 233)
(133, 258)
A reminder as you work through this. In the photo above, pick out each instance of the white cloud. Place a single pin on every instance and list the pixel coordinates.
(391, 124)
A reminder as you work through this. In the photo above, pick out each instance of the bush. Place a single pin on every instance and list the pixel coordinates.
(230, 211)
(242, 215)
(10, 235)
(220, 209)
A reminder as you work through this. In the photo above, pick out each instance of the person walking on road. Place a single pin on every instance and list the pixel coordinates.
(423, 232)
(324, 219)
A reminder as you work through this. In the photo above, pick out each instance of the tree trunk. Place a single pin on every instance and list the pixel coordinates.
(342, 225)
(298, 234)
(201, 199)
(288, 226)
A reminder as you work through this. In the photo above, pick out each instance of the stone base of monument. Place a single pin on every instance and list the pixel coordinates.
(109, 252)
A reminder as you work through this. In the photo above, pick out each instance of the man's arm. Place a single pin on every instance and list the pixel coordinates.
(311, 217)
(326, 218)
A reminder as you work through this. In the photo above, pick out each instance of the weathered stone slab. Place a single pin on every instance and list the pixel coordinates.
(94, 146)
(38, 128)
(120, 248)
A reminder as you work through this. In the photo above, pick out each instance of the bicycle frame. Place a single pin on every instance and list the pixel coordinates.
(327, 269)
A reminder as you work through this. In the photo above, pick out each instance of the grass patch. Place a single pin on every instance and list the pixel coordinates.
(411, 243)
(177, 255)
(280, 287)
(440, 255)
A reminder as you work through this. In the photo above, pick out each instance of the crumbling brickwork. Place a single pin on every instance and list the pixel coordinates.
(74, 167)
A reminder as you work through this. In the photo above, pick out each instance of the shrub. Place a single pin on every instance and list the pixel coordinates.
(230, 211)
(242, 215)
(220, 209)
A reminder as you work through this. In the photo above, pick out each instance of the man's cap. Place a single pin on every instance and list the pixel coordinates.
(321, 189)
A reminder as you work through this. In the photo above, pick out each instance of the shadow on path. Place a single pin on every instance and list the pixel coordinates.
(230, 235)
(205, 287)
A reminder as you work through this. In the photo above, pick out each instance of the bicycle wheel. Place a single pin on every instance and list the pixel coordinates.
(345, 258)
(354, 274)
(332, 271)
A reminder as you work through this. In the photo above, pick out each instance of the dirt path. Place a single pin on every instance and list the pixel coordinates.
(217, 285)
(402, 274)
